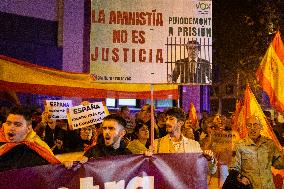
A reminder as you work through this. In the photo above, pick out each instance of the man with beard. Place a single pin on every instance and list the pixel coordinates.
(175, 142)
(19, 145)
(113, 127)
(113, 131)
(254, 157)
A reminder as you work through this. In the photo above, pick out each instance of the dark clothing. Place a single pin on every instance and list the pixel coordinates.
(79, 146)
(101, 150)
(188, 74)
(51, 135)
(82, 145)
(197, 134)
(74, 143)
(19, 157)
(232, 182)
(162, 131)
(279, 132)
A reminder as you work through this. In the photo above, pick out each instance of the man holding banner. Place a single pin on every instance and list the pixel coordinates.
(19, 145)
(113, 131)
(113, 127)
(175, 142)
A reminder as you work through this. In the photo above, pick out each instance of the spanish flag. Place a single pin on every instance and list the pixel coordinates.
(34, 142)
(192, 116)
(43, 80)
(270, 73)
(250, 108)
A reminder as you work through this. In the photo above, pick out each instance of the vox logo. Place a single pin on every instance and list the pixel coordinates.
(203, 6)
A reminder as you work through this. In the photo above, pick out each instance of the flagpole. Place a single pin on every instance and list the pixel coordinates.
(152, 115)
(238, 85)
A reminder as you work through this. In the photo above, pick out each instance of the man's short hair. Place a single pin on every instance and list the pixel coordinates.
(122, 108)
(161, 114)
(177, 113)
(147, 108)
(255, 117)
(23, 111)
(117, 118)
(193, 43)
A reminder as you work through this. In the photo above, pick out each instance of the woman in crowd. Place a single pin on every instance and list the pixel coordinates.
(53, 134)
(141, 143)
(81, 140)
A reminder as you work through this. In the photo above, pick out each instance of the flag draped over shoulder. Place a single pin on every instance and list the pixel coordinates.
(192, 116)
(33, 142)
(252, 108)
(270, 73)
(20, 76)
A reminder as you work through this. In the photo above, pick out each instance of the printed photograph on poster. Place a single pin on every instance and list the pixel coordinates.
(84, 116)
(138, 41)
(58, 108)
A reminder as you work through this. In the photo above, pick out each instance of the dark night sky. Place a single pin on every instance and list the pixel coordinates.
(241, 32)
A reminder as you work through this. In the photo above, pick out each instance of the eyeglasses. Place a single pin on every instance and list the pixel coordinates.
(252, 125)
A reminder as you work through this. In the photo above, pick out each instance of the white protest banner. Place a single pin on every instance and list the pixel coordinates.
(57, 108)
(146, 41)
(84, 116)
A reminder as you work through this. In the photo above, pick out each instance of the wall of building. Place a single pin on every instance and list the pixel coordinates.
(29, 32)
(44, 9)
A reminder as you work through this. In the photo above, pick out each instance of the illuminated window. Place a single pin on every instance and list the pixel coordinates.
(164, 103)
(110, 102)
(127, 102)
(161, 103)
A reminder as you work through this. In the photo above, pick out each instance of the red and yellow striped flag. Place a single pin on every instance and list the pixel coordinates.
(43, 80)
(192, 116)
(270, 73)
(250, 108)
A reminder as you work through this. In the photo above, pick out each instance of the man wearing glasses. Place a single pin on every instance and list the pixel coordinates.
(254, 157)
(192, 69)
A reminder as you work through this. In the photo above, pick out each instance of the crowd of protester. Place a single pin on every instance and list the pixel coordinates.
(123, 132)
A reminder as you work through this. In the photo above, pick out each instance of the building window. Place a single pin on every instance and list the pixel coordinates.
(115, 103)
(127, 102)
(161, 103)
(110, 102)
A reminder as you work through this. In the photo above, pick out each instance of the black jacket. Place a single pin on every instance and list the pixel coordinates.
(232, 182)
(19, 157)
(101, 150)
(182, 70)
